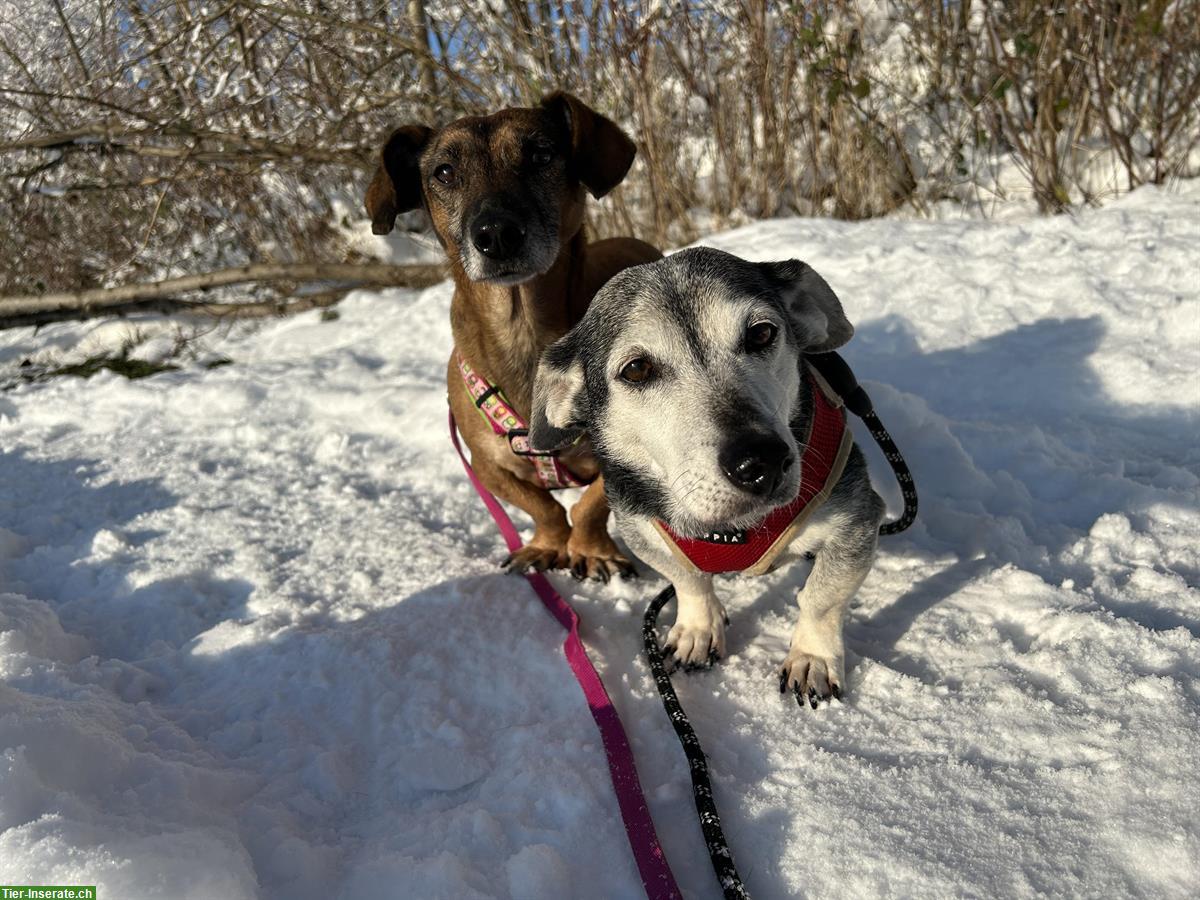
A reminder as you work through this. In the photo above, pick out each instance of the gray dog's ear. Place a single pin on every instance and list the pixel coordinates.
(560, 408)
(811, 304)
(601, 153)
(396, 187)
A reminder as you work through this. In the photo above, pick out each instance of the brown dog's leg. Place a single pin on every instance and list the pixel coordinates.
(547, 549)
(590, 551)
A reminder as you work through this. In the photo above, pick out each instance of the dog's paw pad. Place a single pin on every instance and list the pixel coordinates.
(811, 679)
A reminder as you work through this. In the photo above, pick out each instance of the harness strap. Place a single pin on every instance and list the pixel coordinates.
(483, 398)
(652, 865)
(506, 422)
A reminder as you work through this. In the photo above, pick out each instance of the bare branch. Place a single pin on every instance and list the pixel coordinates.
(101, 301)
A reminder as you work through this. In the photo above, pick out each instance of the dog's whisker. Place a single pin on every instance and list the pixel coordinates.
(680, 476)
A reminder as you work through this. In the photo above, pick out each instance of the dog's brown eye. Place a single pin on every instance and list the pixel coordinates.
(445, 174)
(760, 336)
(541, 157)
(637, 371)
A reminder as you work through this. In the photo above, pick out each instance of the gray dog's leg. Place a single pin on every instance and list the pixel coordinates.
(698, 634)
(815, 664)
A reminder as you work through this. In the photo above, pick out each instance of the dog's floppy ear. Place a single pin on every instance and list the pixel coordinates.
(811, 304)
(601, 153)
(396, 187)
(560, 407)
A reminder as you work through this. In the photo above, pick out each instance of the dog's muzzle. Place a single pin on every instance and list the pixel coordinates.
(756, 463)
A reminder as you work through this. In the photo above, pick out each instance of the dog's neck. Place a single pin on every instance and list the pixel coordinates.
(502, 330)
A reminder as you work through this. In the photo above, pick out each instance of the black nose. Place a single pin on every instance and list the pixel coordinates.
(497, 235)
(756, 463)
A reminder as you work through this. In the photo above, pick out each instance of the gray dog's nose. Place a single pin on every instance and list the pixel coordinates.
(497, 235)
(756, 463)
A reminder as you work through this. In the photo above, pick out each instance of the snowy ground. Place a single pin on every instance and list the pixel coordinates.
(254, 644)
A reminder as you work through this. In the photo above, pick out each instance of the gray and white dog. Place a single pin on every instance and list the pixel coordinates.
(688, 376)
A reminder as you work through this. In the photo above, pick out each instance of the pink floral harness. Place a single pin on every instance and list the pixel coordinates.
(506, 422)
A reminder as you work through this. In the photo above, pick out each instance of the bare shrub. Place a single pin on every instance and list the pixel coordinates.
(1059, 84)
(149, 138)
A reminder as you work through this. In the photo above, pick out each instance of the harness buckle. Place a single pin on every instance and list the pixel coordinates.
(518, 443)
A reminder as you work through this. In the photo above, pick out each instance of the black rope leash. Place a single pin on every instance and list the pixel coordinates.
(839, 377)
(702, 792)
(908, 488)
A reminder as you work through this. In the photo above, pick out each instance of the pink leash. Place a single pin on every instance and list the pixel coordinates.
(647, 852)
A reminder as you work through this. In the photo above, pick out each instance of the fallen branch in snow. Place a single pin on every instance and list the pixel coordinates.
(166, 295)
(206, 145)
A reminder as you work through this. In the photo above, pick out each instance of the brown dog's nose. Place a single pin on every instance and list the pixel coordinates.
(497, 235)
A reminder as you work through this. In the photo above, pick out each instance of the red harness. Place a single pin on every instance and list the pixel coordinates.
(506, 422)
(752, 551)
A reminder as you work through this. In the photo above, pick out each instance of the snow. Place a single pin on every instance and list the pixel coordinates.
(253, 641)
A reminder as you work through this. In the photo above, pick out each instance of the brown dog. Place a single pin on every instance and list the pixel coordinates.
(505, 194)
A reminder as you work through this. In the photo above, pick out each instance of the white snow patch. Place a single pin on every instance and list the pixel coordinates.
(253, 642)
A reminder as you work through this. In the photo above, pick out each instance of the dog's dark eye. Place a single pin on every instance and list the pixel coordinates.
(446, 175)
(760, 336)
(541, 156)
(637, 371)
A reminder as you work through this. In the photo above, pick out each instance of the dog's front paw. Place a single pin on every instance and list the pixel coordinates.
(533, 557)
(597, 558)
(699, 642)
(811, 677)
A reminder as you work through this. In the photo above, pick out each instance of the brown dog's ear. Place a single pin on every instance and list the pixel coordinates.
(396, 187)
(813, 307)
(601, 153)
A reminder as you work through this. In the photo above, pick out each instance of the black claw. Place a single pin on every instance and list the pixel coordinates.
(726, 621)
(836, 690)
(602, 572)
(627, 570)
(783, 681)
(506, 562)
(812, 698)
(579, 570)
(799, 695)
